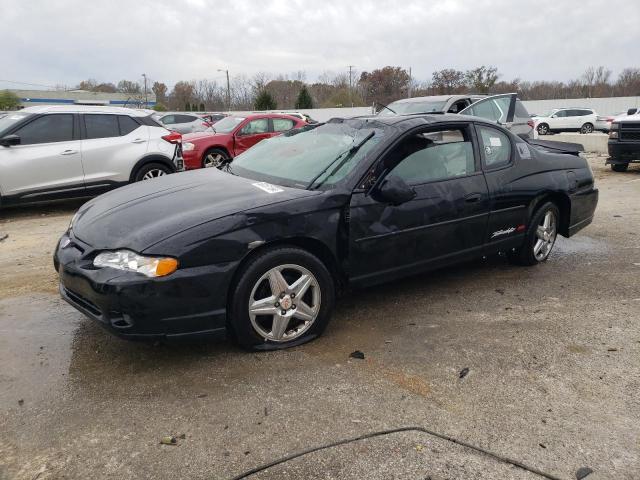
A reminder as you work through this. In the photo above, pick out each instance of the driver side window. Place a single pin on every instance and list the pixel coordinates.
(434, 155)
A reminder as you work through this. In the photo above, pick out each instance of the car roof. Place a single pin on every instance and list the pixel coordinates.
(85, 109)
(410, 120)
(438, 98)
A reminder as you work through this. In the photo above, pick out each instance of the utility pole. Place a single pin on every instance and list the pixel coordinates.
(350, 94)
(228, 90)
(146, 103)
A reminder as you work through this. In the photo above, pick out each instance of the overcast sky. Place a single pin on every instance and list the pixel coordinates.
(64, 41)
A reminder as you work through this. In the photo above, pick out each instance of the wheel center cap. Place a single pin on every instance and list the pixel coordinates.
(286, 302)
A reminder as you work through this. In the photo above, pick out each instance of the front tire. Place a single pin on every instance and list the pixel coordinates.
(586, 128)
(284, 297)
(619, 167)
(151, 171)
(214, 158)
(540, 237)
(543, 129)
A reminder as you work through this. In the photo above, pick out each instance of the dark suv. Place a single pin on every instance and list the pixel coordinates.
(624, 142)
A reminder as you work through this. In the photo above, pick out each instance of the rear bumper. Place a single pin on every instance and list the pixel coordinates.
(623, 152)
(583, 207)
(188, 303)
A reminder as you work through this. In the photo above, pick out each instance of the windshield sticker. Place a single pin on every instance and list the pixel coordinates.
(267, 187)
(523, 150)
(495, 142)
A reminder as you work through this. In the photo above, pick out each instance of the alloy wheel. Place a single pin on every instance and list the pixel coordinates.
(154, 173)
(543, 129)
(546, 236)
(214, 160)
(284, 303)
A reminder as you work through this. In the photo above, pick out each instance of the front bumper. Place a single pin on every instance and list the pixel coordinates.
(191, 159)
(623, 152)
(188, 303)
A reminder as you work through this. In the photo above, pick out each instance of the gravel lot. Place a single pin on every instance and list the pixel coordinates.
(553, 354)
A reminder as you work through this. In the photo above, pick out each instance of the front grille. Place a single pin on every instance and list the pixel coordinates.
(629, 135)
(629, 125)
(83, 302)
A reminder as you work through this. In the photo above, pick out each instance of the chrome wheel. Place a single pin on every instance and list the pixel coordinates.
(546, 236)
(214, 160)
(543, 129)
(154, 173)
(284, 303)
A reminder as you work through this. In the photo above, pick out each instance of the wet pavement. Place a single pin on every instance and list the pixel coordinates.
(553, 354)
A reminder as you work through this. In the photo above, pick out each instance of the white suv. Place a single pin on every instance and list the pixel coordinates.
(575, 119)
(75, 151)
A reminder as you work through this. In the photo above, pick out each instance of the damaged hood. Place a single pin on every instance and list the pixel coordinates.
(143, 214)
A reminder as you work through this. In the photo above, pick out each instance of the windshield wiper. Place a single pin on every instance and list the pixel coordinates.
(348, 153)
(390, 109)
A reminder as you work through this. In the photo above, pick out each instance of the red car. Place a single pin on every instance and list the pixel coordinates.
(231, 136)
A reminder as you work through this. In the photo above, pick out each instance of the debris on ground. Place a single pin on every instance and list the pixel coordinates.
(3, 236)
(583, 472)
(464, 372)
(21, 402)
(500, 291)
(357, 354)
(169, 440)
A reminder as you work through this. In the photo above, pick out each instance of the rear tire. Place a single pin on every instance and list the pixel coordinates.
(540, 237)
(282, 279)
(619, 167)
(543, 129)
(586, 128)
(151, 170)
(214, 158)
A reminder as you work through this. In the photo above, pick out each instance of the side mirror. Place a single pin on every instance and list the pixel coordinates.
(10, 140)
(632, 111)
(393, 190)
(554, 116)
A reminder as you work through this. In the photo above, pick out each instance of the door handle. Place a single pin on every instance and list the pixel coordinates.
(473, 198)
(138, 140)
(69, 152)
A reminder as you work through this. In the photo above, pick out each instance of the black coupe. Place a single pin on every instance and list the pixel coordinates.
(259, 250)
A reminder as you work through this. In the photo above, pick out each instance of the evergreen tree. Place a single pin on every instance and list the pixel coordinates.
(187, 107)
(264, 101)
(304, 100)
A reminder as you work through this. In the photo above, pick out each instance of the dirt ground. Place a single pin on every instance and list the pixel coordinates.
(552, 352)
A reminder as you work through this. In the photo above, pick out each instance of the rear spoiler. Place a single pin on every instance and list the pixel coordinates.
(557, 147)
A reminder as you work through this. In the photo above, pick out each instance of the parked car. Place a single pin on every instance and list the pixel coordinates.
(301, 116)
(431, 104)
(233, 135)
(75, 151)
(495, 107)
(213, 117)
(263, 247)
(603, 123)
(185, 122)
(572, 119)
(624, 142)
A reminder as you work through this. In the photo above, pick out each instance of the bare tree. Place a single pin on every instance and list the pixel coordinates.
(448, 80)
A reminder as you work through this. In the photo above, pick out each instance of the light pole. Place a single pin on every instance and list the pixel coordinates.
(350, 94)
(146, 103)
(228, 90)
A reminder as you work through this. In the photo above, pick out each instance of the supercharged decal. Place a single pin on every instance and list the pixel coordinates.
(506, 231)
(267, 187)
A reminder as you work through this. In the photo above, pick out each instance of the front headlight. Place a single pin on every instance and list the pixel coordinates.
(73, 219)
(132, 262)
(188, 146)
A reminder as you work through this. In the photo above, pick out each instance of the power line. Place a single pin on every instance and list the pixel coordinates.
(26, 83)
